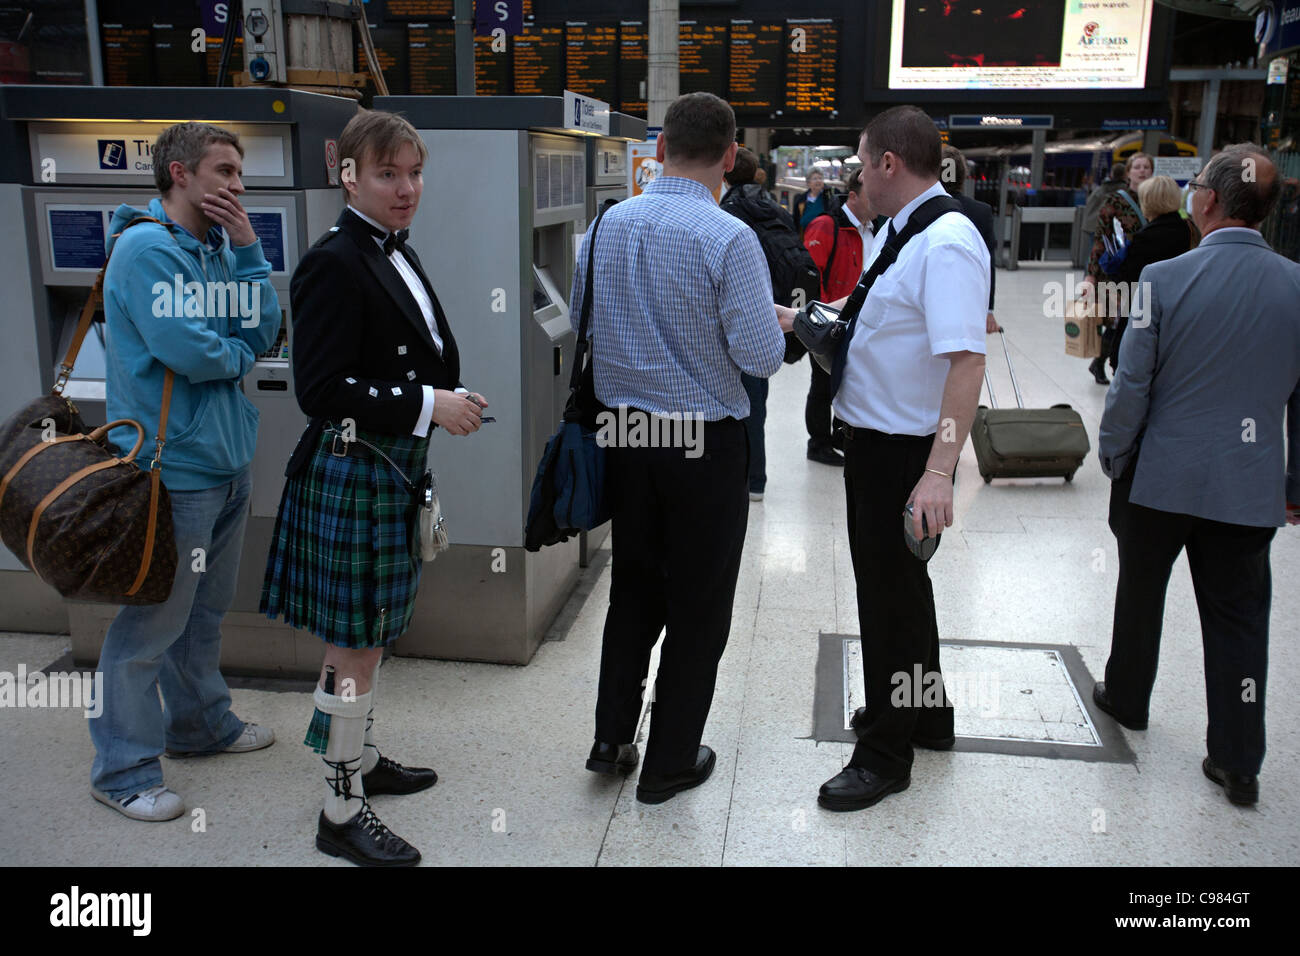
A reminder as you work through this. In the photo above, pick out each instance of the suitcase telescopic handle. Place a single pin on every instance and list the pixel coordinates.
(1020, 402)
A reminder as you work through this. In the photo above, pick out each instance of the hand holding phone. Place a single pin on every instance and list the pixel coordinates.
(924, 549)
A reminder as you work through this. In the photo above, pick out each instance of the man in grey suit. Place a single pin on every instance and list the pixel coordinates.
(1193, 437)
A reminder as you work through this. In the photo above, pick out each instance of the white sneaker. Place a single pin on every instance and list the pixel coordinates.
(254, 737)
(153, 805)
(756, 496)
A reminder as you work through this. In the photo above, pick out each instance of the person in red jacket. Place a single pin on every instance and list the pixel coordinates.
(838, 244)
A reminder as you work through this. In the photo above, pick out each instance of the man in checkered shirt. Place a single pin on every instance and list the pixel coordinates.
(682, 304)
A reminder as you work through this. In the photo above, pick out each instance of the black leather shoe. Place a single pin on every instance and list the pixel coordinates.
(653, 789)
(857, 723)
(389, 776)
(612, 758)
(1101, 700)
(825, 456)
(364, 840)
(1098, 370)
(1243, 791)
(855, 788)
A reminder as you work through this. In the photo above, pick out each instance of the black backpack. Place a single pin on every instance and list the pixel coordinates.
(790, 264)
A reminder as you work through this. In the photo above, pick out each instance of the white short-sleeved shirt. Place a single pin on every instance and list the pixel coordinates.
(930, 302)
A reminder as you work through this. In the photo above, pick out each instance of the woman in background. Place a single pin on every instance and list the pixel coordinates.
(1165, 235)
(1122, 207)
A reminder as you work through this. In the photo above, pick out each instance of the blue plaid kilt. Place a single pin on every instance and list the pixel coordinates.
(344, 560)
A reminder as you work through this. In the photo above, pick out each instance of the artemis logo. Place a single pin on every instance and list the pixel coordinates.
(103, 909)
(1093, 37)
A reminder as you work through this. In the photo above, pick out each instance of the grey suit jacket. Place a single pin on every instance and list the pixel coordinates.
(1207, 366)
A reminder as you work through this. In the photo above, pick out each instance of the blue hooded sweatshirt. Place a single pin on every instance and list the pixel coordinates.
(168, 304)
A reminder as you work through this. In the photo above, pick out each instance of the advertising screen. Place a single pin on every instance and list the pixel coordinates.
(1019, 44)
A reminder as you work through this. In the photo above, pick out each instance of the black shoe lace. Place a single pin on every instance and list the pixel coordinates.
(341, 782)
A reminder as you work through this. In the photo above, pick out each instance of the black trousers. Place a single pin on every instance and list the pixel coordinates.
(817, 409)
(900, 635)
(677, 534)
(1233, 584)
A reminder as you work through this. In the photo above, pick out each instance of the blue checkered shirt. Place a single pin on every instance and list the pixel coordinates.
(682, 304)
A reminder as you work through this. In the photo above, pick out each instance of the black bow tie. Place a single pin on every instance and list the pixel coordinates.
(395, 240)
(392, 240)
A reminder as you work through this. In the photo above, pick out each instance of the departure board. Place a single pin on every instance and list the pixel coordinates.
(392, 53)
(432, 59)
(419, 9)
(755, 66)
(812, 66)
(591, 63)
(702, 57)
(491, 70)
(632, 69)
(127, 55)
(175, 63)
(538, 52)
(236, 64)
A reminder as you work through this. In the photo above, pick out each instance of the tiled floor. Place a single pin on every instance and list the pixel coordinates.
(1028, 562)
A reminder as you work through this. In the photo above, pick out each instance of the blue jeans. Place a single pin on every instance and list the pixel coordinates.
(756, 389)
(175, 646)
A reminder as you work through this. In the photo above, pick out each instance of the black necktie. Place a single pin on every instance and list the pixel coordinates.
(892, 232)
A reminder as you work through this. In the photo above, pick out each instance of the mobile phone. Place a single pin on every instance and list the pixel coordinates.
(924, 549)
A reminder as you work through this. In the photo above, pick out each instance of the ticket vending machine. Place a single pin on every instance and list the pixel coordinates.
(607, 164)
(506, 191)
(74, 155)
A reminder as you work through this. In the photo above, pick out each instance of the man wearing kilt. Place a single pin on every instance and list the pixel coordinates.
(375, 367)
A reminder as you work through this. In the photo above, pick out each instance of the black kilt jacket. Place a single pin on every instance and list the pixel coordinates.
(361, 347)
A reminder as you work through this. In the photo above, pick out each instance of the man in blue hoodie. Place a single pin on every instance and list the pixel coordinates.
(181, 294)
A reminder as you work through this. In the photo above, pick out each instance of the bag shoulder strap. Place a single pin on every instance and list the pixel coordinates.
(584, 323)
(920, 219)
(1134, 206)
(95, 299)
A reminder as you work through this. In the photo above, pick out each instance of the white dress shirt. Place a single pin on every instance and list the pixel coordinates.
(426, 309)
(930, 302)
(864, 230)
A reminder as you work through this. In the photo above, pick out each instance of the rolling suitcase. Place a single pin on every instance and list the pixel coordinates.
(1026, 442)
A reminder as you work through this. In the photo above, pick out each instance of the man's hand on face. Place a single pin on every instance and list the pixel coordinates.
(224, 209)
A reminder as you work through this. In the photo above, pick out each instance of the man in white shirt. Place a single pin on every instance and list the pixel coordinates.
(912, 370)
